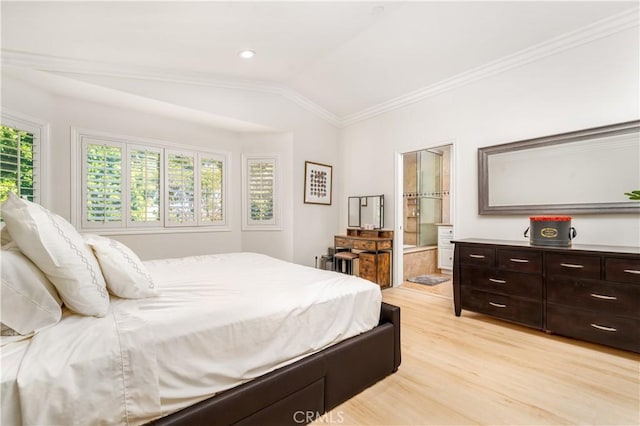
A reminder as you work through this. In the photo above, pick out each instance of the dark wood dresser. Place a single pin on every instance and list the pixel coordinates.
(590, 293)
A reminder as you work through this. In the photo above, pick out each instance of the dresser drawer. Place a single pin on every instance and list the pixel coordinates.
(510, 308)
(478, 255)
(384, 245)
(503, 282)
(605, 297)
(622, 270)
(520, 260)
(364, 245)
(367, 267)
(577, 266)
(619, 332)
(343, 242)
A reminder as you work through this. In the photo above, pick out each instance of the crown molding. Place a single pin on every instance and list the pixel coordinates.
(600, 29)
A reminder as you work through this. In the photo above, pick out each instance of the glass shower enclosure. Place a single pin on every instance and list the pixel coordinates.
(422, 196)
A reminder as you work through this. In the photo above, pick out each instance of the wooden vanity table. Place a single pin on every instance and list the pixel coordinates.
(375, 248)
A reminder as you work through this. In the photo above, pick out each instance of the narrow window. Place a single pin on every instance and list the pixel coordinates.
(260, 193)
(144, 185)
(103, 185)
(211, 185)
(181, 188)
(17, 164)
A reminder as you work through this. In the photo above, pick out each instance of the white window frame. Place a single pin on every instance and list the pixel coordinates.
(256, 225)
(130, 142)
(40, 131)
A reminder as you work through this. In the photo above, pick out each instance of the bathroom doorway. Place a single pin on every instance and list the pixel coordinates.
(426, 211)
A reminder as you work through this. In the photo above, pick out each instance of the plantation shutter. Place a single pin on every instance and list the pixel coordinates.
(180, 188)
(103, 183)
(19, 162)
(259, 193)
(211, 189)
(145, 190)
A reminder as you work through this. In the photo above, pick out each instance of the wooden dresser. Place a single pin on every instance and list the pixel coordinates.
(590, 293)
(375, 249)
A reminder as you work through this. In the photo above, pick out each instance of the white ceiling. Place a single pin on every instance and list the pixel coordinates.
(345, 57)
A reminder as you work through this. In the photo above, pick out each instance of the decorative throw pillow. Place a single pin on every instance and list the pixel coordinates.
(29, 300)
(126, 275)
(59, 251)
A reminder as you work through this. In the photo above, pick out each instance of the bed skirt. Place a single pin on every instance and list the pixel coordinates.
(300, 392)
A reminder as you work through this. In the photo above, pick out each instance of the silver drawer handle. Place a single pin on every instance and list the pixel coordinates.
(602, 296)
(603, 328)
(494, 280)
(572, 265)
(500, 305)
(632, 271)
(519, 260)
(477, 256)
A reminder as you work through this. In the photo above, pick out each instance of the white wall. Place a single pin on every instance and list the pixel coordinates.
(590, 85)
(304, 137)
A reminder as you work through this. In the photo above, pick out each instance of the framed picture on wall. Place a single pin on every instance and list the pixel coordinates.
(317, 183)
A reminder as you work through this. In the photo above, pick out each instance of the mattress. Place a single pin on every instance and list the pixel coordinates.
(219, 321)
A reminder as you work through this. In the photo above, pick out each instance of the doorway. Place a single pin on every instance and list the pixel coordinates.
(425, 208)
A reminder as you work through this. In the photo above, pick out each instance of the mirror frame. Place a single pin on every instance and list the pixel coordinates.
(381, 196)
(484, 208)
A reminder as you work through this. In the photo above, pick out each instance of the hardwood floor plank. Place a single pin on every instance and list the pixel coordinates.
(478, 370)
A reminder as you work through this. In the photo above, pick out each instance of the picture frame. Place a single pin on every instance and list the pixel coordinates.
(318, 181)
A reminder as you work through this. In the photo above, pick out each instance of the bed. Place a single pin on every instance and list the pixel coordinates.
(238, 338)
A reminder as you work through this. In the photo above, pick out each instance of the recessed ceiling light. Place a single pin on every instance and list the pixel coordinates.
(247, 54)
(377, 11)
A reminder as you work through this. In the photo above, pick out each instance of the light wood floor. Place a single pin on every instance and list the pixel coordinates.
(476, 370)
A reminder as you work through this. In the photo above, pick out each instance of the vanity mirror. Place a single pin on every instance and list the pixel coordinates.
(587, 171)
(366, 211)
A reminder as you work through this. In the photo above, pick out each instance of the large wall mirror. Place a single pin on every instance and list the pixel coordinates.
(587, 171)
(366, 211)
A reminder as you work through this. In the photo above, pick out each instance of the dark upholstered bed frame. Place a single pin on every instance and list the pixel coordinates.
(299, 392)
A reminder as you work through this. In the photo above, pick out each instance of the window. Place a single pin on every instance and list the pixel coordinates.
(181, 189)
(20, 157)
(103, 183)
(211, 184)
(259, 193)
(144, 185)
(133, 184)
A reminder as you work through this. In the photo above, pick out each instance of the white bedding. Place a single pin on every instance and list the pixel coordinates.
(219, 321)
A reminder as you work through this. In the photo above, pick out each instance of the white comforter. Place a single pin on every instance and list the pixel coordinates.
(219, 321)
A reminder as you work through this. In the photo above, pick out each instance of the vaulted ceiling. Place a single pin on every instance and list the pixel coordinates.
(348, 59)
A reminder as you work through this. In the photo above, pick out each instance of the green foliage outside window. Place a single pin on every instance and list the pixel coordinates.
(16, 163)
(104, 183)
(144, 185)
(261, 188)
(211, 190)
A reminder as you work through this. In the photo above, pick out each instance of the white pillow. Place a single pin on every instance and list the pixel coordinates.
(29, 300)
(59, 251)
(126, 275)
